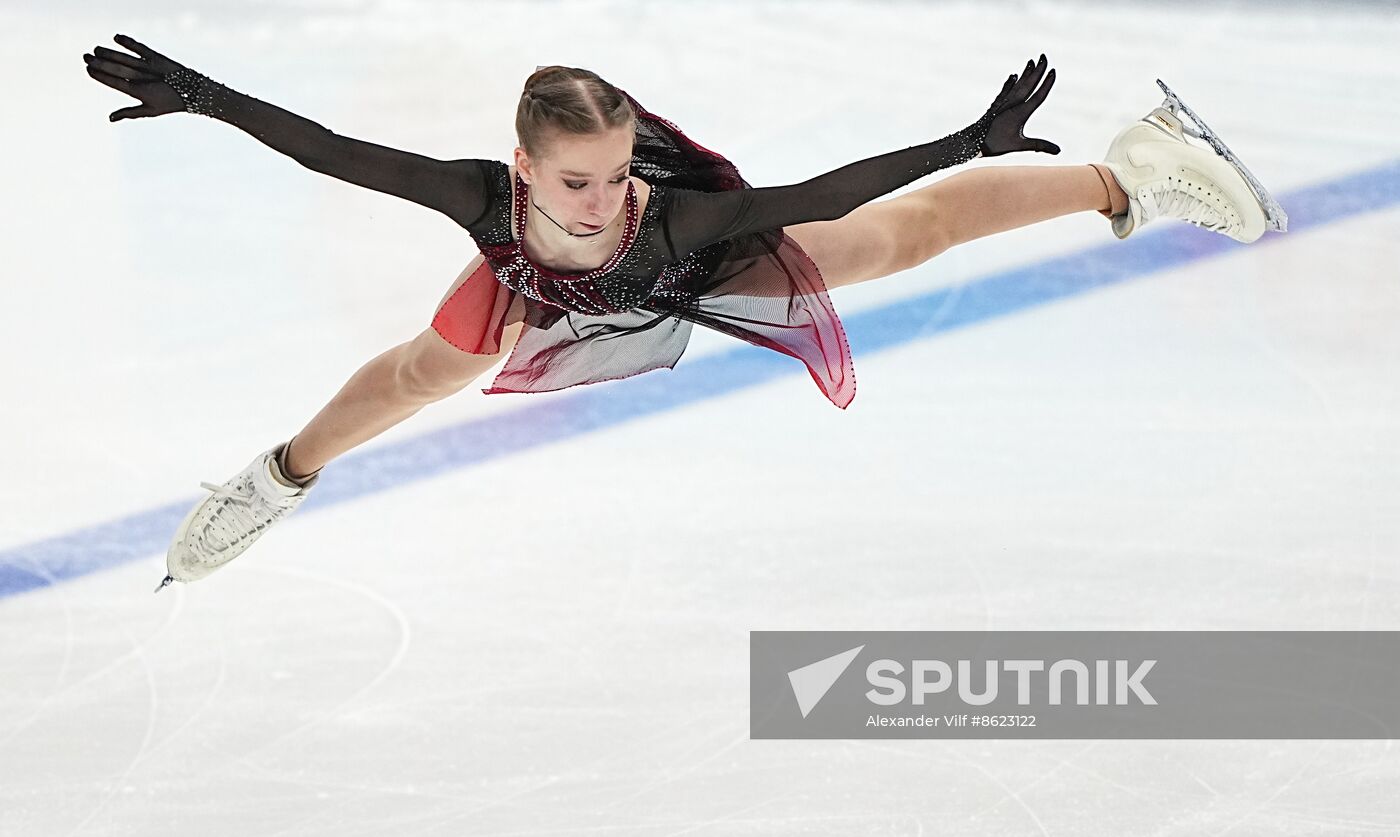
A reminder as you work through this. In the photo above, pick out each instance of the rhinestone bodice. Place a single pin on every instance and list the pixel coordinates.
(626, 280)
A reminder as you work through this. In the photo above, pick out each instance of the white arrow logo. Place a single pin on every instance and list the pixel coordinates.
(811, 682)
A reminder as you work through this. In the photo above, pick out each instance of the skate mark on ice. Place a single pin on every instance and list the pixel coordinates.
(152, 710)
(1010, 792)
(678, 774)
(219, 679)
(99, 673)
(690, 829)
(394, 611)
(1259, 806)
(58, 686)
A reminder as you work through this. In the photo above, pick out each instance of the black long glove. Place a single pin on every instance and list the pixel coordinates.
(141, 76)
(454, 187)
(1007, 116)
(698, 219)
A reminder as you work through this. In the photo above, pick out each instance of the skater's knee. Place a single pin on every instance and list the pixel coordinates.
(876, 240)
(430, 368)
(940, 221)
(920, 229)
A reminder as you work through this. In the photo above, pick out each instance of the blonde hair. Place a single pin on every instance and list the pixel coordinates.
(567, 100)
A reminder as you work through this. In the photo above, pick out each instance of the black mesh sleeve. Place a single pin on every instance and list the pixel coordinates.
(696, 219)
(456, 188)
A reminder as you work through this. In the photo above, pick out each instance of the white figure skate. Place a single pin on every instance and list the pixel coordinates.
(220, 527)
(1164, 175)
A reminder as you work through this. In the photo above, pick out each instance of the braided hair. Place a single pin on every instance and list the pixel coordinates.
(567, 100)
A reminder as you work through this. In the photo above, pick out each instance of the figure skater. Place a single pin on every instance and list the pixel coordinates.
(613, 234)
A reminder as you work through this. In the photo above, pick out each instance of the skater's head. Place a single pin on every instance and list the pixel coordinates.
(575, 132)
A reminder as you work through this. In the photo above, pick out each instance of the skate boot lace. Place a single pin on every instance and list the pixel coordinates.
(241, 517)
(1172, 199)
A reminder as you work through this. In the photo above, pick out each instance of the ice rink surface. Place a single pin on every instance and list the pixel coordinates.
(529, 614)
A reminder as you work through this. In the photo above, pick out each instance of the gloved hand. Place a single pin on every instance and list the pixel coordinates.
(1013, 106)
(142, 76)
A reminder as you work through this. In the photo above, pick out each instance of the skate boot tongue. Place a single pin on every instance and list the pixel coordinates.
(278, 482)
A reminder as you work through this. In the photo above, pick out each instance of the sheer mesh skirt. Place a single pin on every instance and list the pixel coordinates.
(762, 289)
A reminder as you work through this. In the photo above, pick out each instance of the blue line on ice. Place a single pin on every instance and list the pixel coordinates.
(146, 534)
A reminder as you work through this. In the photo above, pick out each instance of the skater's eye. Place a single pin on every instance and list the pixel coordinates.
(573, 184)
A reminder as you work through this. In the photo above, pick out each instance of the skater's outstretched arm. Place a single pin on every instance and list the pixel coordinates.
(456, 188)
(699, 218)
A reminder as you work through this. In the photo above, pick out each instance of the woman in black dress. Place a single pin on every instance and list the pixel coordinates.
(607, 240)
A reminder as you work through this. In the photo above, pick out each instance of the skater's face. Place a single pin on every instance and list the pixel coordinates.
(580, 179)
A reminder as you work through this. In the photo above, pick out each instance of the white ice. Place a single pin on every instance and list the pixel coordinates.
(556, 641)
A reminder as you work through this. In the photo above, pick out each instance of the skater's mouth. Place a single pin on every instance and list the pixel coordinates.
(590, 227)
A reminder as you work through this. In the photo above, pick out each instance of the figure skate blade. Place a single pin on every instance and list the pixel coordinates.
(1274, 216)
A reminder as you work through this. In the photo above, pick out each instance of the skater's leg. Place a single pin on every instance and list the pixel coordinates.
(384, 392)
(986, 201)
(389, 389)
(996, 199)
(886, 237)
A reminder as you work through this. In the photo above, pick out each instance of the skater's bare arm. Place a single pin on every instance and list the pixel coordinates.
(454, 187)
(699, 218)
